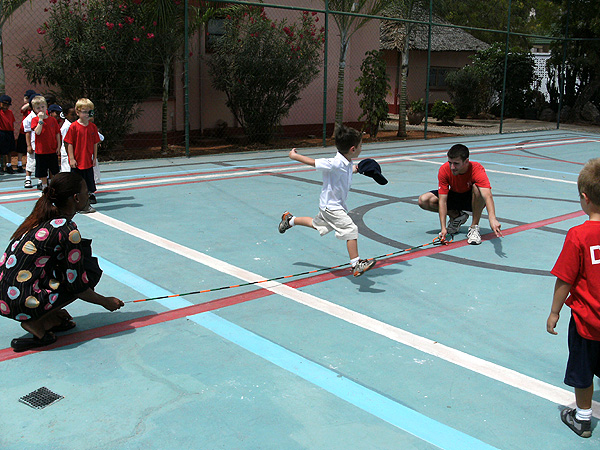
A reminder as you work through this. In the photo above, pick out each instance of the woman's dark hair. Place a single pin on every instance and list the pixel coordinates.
(56, 195)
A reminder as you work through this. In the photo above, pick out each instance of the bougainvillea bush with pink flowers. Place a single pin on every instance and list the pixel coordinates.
(263, 65)
(99, 49)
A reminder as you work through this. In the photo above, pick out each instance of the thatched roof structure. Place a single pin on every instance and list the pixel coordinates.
(443, 39)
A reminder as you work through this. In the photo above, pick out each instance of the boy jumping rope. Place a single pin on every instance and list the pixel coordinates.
(337, 177)
(578, 285)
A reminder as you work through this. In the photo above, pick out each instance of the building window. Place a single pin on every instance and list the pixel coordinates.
(215, 29)
(437, 76)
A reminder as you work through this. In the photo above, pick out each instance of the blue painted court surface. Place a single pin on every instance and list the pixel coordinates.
(439, 347)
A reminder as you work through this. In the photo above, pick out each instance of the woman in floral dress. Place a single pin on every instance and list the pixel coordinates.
(47, 265)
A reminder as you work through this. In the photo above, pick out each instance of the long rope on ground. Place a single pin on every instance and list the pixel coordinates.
(435, 241)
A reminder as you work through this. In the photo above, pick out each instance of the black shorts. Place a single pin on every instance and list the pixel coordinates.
(584, 359)
(88, 176)
(45, 163)
(7, 142)
(22, 144)
(458, 202)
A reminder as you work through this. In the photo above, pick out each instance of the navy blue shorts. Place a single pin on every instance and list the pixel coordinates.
(458, 202)
(7, 142)
(45, 163)
(88, 177)
(584, 359)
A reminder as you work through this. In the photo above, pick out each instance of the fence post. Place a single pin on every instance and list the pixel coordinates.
(428, 71)
(564, 69)
(186, 78)
(505, 68)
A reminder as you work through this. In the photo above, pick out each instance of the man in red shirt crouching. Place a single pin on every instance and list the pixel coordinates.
(463, 186)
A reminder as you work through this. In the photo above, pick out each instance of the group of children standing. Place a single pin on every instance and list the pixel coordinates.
(54, 140)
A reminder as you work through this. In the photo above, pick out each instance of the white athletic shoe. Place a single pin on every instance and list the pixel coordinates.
(473, 235)
(453, 226)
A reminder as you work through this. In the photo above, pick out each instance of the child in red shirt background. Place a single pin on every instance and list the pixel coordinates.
(47, 141)
(82, 146)
(578, 285)
(7, 131)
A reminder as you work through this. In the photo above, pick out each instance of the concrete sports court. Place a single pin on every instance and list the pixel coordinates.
(439, 347)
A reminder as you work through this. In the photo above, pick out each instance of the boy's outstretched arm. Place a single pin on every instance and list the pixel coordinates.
(301, 158)
(561, 291)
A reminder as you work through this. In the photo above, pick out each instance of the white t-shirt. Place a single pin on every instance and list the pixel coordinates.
(27, 127)
(337, 178)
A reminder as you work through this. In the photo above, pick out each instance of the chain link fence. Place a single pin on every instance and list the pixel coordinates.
(191, 112)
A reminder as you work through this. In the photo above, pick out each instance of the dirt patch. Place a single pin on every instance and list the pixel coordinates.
(210, 146)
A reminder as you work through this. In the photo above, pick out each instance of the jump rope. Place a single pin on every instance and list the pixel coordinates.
(434, 242)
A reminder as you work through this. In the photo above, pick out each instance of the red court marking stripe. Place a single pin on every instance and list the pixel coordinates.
(86, 335)
(507, 152)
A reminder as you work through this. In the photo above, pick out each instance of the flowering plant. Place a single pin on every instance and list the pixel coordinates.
(263, 66)
(100, 50)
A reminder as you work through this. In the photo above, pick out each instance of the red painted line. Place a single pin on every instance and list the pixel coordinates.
(507, 152)
(153, 319)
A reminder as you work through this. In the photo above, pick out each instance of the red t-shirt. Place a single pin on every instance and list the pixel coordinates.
(83, 138)
(45, 142)
(475, 175)
(7, 120)
(579, 265)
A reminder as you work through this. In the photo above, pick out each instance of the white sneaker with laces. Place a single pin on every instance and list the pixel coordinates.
(473, 235)
(453, 226)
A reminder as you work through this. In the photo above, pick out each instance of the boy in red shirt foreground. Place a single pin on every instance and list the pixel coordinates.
(578, 285)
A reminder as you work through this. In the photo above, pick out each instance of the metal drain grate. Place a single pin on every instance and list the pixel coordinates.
(40, 398)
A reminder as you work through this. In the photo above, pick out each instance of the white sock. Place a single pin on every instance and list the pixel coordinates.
(354, 261)
(28, 177)
(44, 186)
(583, 414)
(292, 221)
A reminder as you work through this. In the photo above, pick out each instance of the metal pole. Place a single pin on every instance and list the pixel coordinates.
(428, 70)
(186, 79)
(564, 67)
(505, 68)
(325, 73)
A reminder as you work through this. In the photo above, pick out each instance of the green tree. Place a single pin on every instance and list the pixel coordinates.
(99, 50)
(7, 8)
(347, 25)
(263, 66)
(494, 16)
(373, 88)
(582, 73)
(469, 90)
(520, 73)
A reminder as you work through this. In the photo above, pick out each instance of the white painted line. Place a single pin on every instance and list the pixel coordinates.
(493, 371)
(294, 167)
(500, 171)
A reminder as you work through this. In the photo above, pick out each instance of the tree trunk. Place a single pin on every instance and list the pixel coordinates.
(339, 104)
(403, 100)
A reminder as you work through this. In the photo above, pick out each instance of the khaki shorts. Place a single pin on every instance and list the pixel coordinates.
(337, 220)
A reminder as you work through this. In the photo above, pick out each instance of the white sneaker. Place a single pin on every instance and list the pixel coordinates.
(473, 235)
(453, 226)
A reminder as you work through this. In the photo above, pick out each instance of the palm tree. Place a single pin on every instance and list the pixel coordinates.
(169, 17)
(347, 25)
(7, 8)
